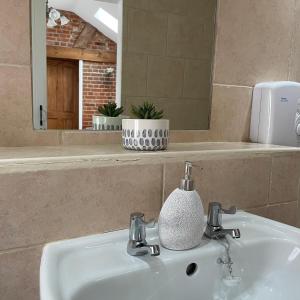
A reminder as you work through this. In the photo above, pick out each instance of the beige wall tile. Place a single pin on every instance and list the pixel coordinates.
(15, 32)
(79, 137)
(165, 77)
(141, 4)
(16, 127)
(189, 37)
(152, 38)
(15, 97)
(197, 83)
(183, 136)
(240, 182)
(286, 213)
(178, 111)
(231, 112)
(294, 71)
(134, 75)
(19, 274)
(203, 8)
(253, 41)
(44, 206)
(169, 6)
(285, 179)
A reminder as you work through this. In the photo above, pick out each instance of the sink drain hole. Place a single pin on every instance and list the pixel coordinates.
(191, 269)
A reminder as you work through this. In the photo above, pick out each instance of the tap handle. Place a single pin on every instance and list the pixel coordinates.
(137, 230)
(137, 226)
(136, 215)
(215, 211)
(230, 211)
(151, 223)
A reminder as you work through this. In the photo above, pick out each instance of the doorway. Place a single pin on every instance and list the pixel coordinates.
(63, 95)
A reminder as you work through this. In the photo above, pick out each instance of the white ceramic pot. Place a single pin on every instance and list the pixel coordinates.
(142, 134)
(105, 123)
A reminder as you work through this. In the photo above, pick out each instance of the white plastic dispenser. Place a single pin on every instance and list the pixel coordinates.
(181, 220)
(275, 115)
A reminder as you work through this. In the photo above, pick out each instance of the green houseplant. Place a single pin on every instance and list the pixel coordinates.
(110, 109)
(109, 117)
(146, 111)
(148, 131)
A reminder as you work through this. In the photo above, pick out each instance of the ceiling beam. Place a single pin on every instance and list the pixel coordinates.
(81, 54)
(85, 37)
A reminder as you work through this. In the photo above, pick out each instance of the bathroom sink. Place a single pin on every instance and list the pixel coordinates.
(266, 265)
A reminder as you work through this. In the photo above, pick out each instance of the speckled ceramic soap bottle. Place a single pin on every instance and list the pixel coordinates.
(181, 220)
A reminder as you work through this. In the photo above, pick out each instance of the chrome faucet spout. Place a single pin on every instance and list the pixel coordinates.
(234, 233)
(140, 249)
(154, 250)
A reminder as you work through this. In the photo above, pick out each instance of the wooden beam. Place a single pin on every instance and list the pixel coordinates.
(81, 54)
(86, 35)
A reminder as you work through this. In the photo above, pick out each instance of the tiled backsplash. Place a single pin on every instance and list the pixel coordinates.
(43, 206)
(170, 62)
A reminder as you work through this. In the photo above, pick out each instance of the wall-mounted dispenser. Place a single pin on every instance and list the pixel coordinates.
(275, 115)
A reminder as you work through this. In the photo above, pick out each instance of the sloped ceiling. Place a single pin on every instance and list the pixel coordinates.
(86, 9)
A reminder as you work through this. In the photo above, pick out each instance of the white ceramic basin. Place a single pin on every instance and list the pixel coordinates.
(266, 258)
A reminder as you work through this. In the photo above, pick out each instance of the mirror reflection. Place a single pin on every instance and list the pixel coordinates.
(165, 58)
(81, 44)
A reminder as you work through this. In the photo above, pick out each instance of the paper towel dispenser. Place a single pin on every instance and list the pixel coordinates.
(275, 115)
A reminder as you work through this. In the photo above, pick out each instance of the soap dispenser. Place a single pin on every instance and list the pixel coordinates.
(181, 220)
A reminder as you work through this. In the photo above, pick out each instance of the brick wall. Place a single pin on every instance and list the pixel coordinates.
(98, 87)
(66, 36)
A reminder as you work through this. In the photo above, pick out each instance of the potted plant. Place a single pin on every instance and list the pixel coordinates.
(110, 117)
(148, 131)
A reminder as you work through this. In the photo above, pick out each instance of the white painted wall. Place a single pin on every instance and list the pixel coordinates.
(86, 9)
(39, 64)
(80, 94)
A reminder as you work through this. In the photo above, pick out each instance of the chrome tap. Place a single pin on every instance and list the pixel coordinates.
(137, 244)
(214, 228)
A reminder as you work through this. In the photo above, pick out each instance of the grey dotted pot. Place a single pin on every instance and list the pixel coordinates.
(105, 123)
(145, 135)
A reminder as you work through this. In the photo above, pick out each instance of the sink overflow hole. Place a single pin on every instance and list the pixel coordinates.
(191, 269)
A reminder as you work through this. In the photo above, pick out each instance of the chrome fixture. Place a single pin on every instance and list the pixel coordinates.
(187, 183)
(137, 244)
(53, 16)
(214, 228)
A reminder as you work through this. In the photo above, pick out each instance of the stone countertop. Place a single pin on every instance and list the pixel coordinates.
(21, 159)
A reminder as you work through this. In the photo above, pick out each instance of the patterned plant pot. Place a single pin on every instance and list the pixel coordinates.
(145, 135)
(107, 123)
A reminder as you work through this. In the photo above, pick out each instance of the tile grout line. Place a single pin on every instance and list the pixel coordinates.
(270, 181)
(15, 65)
(232, 85)
(293, 40)
(163, 184)
(281, 203)
(22, 248)
(147, 74)
(268, 205)
(217, 24)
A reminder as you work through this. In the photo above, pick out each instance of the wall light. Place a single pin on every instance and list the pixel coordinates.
(54, 16)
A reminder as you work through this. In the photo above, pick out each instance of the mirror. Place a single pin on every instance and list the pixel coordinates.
(91, 53)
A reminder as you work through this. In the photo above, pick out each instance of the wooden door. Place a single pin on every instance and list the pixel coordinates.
(63, 98)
